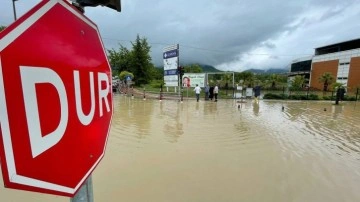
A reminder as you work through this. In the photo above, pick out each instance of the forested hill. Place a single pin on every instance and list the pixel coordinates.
(209, 68)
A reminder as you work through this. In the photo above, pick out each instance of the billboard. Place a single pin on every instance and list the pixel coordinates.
(171, 61)
(191, 79)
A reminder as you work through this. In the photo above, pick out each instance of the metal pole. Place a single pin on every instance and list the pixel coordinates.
(85, 193)
(182, 94)
(234, 85)
(307, 93)
(13, 1)
(179, 74)
(144, 94)
(160, 97)
(357, 93)
(132, 91)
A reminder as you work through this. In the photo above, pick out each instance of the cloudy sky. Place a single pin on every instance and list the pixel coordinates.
(232, 35)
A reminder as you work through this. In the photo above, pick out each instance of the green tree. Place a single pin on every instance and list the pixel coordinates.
(298, 82)
(274, 79)
(337, 85)
(226, 78)
(157, 73)
(141, 61)
(193, 68)
(137, 60)
(2, 28)
(248, 78)
(123, 74)
(120, 60)
(326, 79)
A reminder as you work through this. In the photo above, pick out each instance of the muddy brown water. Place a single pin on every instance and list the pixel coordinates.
(226, 151)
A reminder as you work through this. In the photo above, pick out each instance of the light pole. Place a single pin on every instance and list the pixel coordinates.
(13, 1)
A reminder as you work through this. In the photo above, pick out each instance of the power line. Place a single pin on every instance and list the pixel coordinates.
(215, 50)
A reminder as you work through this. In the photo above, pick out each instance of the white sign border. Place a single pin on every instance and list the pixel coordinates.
(4, 122)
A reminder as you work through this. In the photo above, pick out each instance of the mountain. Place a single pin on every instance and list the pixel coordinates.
(209, 68)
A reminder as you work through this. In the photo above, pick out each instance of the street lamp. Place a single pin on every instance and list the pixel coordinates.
(13, 1)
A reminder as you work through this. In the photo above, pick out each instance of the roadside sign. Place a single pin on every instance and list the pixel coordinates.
(55, 99)
(171, 64)
(249, 92)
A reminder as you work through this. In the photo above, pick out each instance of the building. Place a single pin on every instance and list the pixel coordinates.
(301, 66)
(342, 60)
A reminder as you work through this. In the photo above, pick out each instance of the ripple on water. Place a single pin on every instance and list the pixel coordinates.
(300, 148)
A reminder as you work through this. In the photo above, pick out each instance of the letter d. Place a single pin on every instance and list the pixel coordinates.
(30, 76)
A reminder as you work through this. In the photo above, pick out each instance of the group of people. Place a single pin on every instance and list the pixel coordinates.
(210, 92)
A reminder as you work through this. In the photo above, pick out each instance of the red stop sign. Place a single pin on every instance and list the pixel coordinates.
(55, 99)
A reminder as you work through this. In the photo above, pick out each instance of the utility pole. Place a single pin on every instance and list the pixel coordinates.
(13, 1)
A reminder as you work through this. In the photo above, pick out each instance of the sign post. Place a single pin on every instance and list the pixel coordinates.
(171, 64)
(55, 100)
(85, 193)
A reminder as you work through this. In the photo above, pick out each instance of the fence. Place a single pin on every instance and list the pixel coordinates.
(308, 94)
(266, 93)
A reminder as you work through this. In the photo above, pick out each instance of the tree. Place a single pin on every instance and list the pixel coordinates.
(123, 75)
(120, 60)
(327, 79)
(248, 78)
(227, 78)
(274, 78)
(298, 82)
(137, 60)
(141, 61)
(157, 73)
(2, 28)
(194, 68)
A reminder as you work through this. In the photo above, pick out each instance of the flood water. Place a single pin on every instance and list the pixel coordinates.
(175, 152)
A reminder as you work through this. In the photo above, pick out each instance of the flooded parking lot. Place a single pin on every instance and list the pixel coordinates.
(226, 151)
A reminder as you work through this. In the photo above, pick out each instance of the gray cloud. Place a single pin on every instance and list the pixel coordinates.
(229, 34)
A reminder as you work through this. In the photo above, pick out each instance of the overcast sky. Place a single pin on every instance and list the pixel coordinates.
(232, 35)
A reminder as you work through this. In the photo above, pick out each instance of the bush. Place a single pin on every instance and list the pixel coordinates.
(272, 96)
(291, 97)
(156, 83)
(349, 98)
(314, 97)
(297, 97)
(326, 97)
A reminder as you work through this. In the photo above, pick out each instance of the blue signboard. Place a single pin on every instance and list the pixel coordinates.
(170, 72)
(170, 54)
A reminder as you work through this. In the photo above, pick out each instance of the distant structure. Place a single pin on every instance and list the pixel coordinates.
(342, 60)
(301, 66)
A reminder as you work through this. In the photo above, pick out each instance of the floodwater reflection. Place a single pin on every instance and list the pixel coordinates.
(227, 151)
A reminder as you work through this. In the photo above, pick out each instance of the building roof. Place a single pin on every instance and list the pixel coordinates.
(338, 47)
(352, 40)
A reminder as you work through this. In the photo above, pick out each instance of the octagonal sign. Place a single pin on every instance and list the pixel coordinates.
(55, 99)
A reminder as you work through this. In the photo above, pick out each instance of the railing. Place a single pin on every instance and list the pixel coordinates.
(266, 93)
